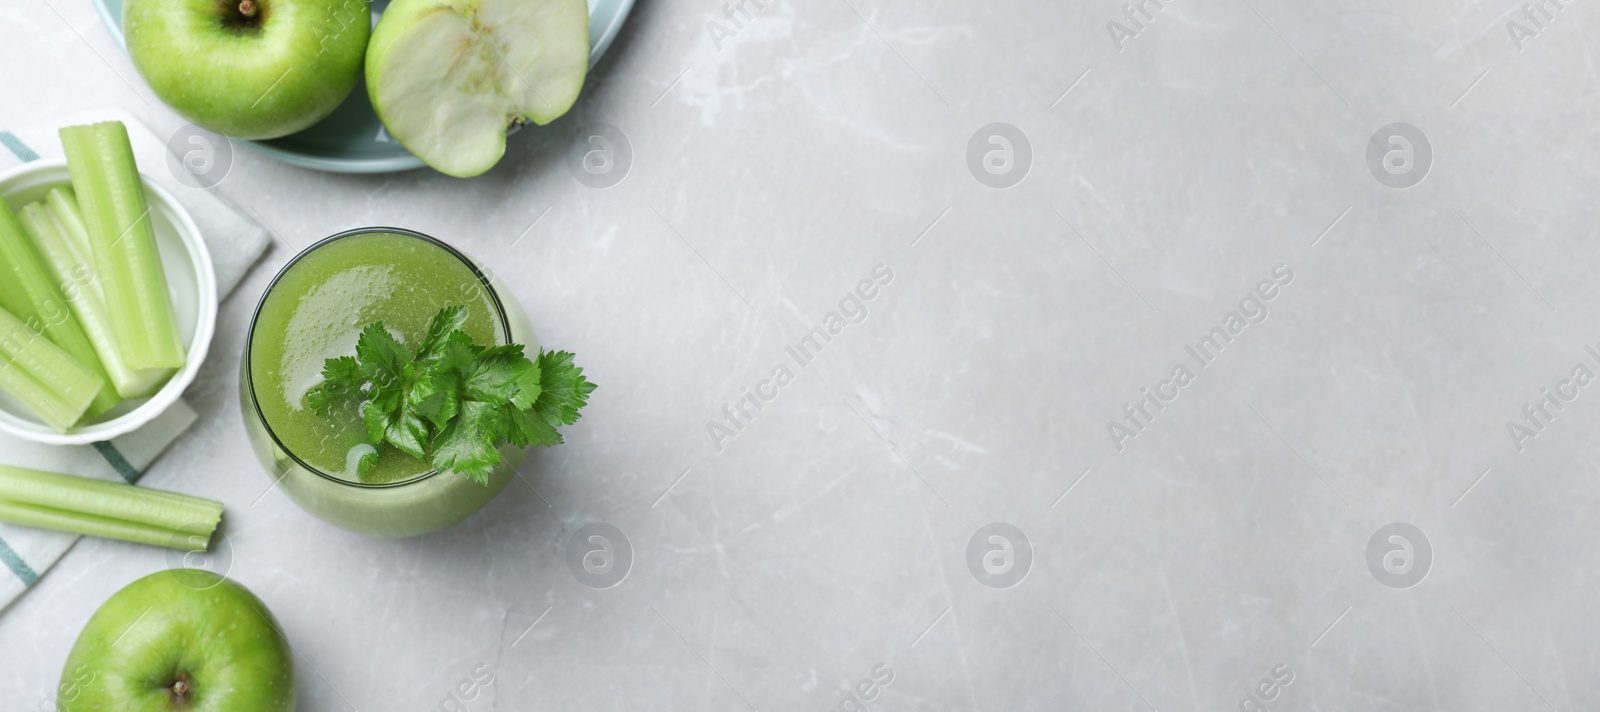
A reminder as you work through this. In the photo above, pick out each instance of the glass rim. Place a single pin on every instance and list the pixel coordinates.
(250, 335)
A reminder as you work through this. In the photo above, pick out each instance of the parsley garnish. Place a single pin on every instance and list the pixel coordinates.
(452, 403)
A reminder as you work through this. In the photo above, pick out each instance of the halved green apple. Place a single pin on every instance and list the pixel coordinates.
(448, 77)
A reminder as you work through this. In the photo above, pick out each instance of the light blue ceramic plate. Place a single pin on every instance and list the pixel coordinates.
(351, 139)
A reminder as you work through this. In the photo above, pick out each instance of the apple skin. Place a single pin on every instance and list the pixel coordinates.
(259, 77)
(176, 624)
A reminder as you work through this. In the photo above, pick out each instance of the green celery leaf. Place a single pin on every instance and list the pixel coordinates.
(563, 389)
(525, 428)
(376, 419)
(408, 432)
(528, 388)
(365, 465)
(468, 444)
(453, 399)
(457, 353)
(445, 323)
(493, 376)
(378, 412)
(383, 360)
(341, 381)
(436, 396)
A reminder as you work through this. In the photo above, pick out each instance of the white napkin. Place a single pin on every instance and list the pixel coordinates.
(236, 243)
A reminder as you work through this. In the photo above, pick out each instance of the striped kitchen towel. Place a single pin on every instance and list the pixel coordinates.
(236, 243)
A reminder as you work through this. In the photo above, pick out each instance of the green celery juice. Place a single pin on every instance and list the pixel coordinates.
(317, 310)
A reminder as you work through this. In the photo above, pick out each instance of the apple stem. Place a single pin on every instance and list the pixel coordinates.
(247, 8)
(180, 687)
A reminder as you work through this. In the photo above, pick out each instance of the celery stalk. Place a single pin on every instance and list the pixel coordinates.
(83, 505)
(30, 515)
(30, 293)
(112, 500)
(51, 407)
(42, 377)
(122, 238)
(63, 204)
(57, 230)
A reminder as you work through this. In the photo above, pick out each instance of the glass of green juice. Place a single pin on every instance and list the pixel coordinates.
(315, 309)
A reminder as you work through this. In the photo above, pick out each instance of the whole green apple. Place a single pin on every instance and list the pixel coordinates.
(181, 640)
(250, 69)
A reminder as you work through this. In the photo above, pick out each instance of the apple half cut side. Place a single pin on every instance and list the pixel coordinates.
(448, 77)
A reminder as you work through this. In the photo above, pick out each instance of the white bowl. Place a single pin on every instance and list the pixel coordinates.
(191, 281)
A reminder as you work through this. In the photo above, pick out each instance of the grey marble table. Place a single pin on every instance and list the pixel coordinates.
(1221, 355)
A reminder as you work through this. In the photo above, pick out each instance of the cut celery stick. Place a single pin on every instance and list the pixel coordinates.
(63, 204)
(42, 377)
(39, 399)
(30, 515)
(83, 505)
(57, 230)
(122, 238)
(30, 292)
(113, 500)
